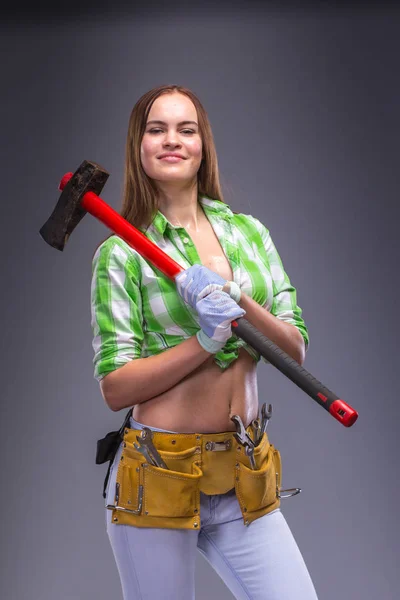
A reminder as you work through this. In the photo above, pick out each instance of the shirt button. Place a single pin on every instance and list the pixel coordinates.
(186, 240)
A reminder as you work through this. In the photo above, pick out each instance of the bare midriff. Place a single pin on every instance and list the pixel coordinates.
(206, 399)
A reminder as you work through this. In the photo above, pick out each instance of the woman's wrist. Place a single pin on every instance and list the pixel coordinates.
(208, 344)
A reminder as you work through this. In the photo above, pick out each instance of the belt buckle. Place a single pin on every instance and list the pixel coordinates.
(219, 446)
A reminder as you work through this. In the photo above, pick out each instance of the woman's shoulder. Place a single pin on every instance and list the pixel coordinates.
(249, 223)
(114, 245)
(224, 210)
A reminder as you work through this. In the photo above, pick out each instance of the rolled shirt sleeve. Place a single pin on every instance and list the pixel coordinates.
(284, 304)
(116, 308)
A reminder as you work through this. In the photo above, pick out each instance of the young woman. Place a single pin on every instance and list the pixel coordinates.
(166, 349)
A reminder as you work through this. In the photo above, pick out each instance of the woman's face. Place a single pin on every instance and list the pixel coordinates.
(172, 128)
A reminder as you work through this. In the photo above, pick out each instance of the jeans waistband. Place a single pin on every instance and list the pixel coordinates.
(136, 425)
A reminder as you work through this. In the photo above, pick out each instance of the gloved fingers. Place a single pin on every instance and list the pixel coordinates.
(197, 282)
(216, 312)
(187, 290)
(208, 289)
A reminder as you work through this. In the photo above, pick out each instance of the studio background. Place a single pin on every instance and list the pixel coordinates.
(304, 105)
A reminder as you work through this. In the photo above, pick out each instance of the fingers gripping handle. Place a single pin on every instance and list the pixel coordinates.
(295, 372)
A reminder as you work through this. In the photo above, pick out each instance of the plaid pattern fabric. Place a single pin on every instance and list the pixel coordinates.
(136, 310)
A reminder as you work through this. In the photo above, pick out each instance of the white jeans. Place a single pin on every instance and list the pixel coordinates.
(258, 562)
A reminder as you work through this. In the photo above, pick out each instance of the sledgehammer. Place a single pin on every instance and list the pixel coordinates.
(80, 195)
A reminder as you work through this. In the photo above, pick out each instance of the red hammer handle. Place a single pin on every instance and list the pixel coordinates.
(94, 205)
(339, 409)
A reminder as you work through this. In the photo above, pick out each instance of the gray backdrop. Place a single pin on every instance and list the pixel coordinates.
(304, 105)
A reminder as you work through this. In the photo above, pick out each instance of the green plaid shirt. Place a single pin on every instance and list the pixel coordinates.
(136, 310)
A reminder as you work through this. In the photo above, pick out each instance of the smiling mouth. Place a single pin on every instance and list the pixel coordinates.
(171, 158)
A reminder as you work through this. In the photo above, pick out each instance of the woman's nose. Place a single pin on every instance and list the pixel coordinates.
(171, 139)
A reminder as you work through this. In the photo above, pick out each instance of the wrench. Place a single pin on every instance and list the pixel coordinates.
(266, 414)
(255, 425)
(244, 439)
(146, 439)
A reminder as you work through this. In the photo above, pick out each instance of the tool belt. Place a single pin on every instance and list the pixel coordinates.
(214, 463)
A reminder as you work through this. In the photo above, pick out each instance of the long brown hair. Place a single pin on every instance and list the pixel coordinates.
(139, 202)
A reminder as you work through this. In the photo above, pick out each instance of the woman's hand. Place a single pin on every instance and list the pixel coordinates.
(196, 282)
(216, 312)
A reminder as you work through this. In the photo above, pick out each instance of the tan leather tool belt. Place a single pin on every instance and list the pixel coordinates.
(212, 463)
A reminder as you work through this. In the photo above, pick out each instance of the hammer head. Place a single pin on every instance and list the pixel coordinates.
(89, 177)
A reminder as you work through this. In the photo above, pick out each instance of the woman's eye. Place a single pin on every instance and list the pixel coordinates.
(185, 131)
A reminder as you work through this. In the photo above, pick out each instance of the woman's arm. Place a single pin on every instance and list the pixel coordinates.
(281, 322)
(284, 335)
(144, 378)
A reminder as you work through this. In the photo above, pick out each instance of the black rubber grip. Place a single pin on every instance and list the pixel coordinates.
(295, 372)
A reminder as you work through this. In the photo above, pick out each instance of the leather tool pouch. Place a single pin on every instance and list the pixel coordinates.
(149, 496)
(257, 490)
(107, 447)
